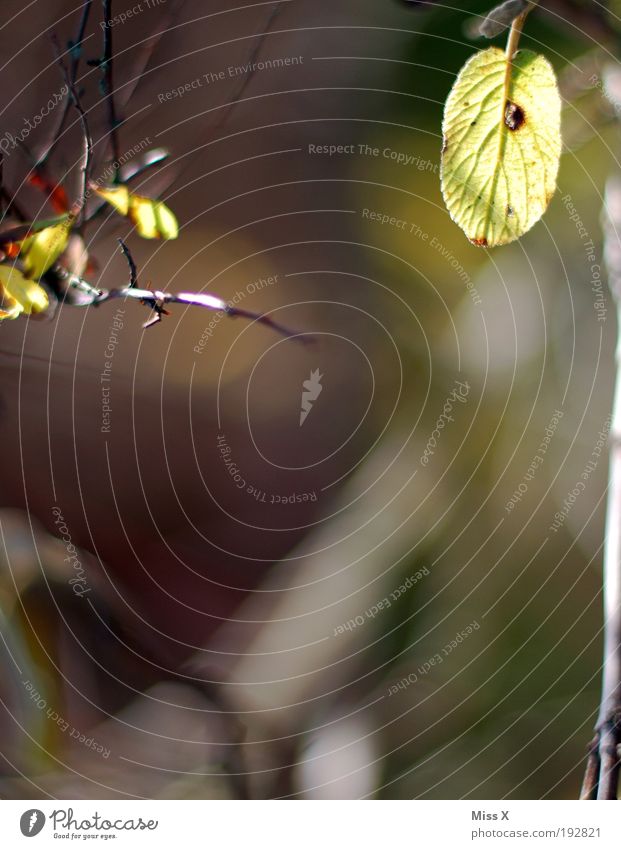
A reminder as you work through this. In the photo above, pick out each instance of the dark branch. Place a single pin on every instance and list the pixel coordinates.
(156, 300)
(245, 82)
(133, 272)
(76, 54)
(86, 133)
(108, 87)
(591, 775)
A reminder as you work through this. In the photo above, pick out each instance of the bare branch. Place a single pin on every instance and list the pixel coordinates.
(108, 87)
(133, 272)
(245, 81)
(603, 764)
(591, 775)
(88, 140)
(156, 300)
(143, 53)
(76, 55)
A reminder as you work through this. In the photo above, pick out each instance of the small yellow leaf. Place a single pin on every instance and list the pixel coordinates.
(142, 214)
(152, 218)
(39, 252)
(116, 197)
(166, 221)
(19, 294)
(502, 145)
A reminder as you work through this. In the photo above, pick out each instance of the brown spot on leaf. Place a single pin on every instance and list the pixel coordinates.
(444, 144)
(514, 116)
(480, 243)
(509, 210)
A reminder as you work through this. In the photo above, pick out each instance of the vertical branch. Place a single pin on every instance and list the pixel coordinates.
(76, 55)
(1, 185)
(608, 727)
(108, 86)
(245, 81)
(86, 133)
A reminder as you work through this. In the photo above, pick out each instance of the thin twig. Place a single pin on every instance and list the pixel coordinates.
(591, 775)
(143, 53)
(108, 87)
(245, 81)
(76, 55)
(155, 299)
(86, 133)
(133, 272)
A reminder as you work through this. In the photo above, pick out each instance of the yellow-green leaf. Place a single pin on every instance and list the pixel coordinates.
(142, 214)
(39, 252)
(167, 225)
(152, 218)
(19, 294)
(502, 145)
(117, 197)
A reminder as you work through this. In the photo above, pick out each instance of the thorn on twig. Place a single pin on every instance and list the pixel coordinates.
(133, 272)
(157, 303)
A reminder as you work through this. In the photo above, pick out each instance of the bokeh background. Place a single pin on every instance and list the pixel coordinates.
(343, 616)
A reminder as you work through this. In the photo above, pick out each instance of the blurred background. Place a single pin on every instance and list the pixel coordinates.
(201, 597)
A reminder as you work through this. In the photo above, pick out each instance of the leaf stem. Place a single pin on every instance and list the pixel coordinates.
(516, 30)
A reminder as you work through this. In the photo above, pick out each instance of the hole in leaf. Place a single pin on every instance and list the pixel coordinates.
(514, 116)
